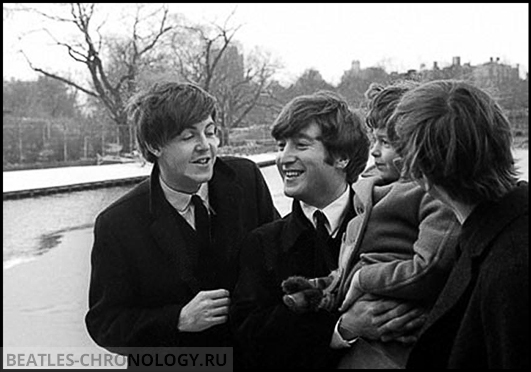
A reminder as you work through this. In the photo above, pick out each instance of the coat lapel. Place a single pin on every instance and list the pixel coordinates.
(170, 234)
(296, 225)
(477, 233)
(459, 281)
(362, 202)
(176, 240)
(225, 196)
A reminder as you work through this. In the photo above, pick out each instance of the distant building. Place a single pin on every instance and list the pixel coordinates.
(496, 72)
(355, 67)
(490, 73)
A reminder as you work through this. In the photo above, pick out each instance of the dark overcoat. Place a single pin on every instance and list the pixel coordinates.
(145, 264)
(269, 334)
(481, 319)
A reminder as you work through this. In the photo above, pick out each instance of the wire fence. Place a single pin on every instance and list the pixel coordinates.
(41, 142)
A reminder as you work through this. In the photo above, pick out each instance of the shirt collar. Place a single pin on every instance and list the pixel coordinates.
(334, 212)
(180, 200)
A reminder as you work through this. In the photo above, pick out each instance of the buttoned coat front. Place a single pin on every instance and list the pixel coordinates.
(145, 265)
(271, 335)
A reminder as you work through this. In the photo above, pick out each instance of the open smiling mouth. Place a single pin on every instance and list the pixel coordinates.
(202, 161)
(292, 174)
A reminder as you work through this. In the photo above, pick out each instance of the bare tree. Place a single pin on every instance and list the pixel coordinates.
(209, 56)
(159, 42)
(199, 50)
(7, 11)
(240, 93)
(113, 63)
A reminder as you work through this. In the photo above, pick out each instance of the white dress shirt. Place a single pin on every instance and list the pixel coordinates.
(182, 202)
(334, 212)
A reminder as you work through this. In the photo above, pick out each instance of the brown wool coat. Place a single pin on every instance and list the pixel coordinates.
(402, 241)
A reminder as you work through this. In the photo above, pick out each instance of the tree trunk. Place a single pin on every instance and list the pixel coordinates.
(224, 137)
(131, 138)
(124, 136)
(102, 139)
(85, 147)
(65, 145)
(20, 154)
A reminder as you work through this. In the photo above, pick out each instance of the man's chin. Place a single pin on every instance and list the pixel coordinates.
(290, 192)
(203, 177)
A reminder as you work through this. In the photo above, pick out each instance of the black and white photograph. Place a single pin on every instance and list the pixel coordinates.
(230, 186)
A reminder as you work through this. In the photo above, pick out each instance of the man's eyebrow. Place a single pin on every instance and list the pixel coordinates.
(194, 128)
(307, 137)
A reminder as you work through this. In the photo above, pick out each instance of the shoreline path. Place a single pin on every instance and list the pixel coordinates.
(50, 180)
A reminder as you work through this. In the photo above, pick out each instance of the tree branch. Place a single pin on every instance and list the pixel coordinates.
(57, 77)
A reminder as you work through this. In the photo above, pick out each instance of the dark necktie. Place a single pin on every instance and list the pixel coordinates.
(322, 240)
(320, 225)
(202, 221)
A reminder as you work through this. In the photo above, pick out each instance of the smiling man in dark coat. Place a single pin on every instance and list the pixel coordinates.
(323, 146)
(156, 281)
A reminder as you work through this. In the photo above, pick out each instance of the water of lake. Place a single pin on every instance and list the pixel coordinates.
(47, 242)
(33, 226)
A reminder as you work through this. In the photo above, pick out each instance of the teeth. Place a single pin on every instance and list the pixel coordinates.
(202, 161)
(292, 173)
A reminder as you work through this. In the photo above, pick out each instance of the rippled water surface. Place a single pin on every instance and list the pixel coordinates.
(33, 226)
(45, 301)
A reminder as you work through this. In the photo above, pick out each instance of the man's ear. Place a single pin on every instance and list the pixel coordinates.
(425, 183)
(342, 163)
(153, 150)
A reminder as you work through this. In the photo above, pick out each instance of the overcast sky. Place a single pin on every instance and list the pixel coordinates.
(329, 36)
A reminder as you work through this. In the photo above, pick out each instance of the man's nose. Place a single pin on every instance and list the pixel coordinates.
(286, 155)
(202, 142)
(375, 150)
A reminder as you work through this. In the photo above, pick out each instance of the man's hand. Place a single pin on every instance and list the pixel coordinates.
(354, 292)
(381, 319)
(205, 310)
(352, 295)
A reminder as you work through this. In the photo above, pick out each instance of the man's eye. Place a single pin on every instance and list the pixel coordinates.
(211, 131)
(386, 142)
(302, 145)
(187, 136)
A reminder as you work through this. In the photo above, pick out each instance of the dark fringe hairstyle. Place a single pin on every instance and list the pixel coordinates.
(382, 101)
(343, 133)
(457, 136)
(164, 110)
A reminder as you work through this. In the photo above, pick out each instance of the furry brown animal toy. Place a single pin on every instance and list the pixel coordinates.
(304, 295)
